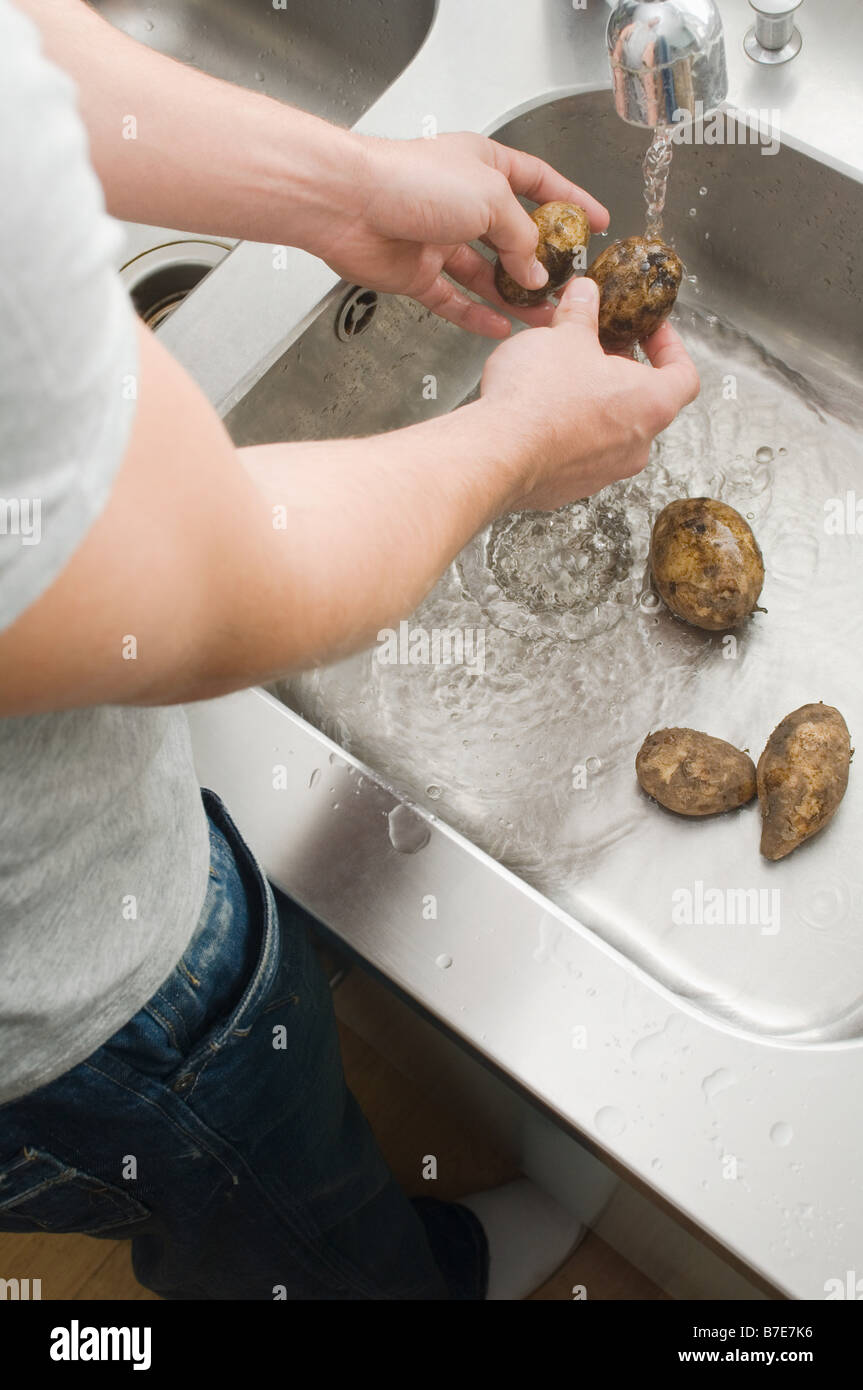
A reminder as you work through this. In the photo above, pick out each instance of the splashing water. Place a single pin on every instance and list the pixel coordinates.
(656, 168)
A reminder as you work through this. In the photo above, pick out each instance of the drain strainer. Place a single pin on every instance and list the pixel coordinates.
(161, 278)
(357, 310)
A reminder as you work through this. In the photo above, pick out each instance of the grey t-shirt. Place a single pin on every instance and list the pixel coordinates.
(104, 846)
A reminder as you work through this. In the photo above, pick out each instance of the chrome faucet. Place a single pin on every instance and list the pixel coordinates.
(667, 60)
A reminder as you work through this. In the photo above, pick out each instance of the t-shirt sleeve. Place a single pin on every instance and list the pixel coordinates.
(67, 328)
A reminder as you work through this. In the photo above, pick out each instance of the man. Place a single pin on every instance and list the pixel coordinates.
(145, 970)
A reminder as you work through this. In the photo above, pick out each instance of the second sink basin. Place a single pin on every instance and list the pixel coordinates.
(330, 58)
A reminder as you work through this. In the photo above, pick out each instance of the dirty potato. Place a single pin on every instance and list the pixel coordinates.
(706, 563)
(694, 774)
(563, 231)
(638, 281)
(802, 776)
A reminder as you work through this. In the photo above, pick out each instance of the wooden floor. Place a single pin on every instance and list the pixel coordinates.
(408, 1122)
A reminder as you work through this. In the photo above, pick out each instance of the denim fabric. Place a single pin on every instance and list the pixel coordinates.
(216, 1130)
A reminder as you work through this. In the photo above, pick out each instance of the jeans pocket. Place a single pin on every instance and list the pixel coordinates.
(39, 1193)
(217, 989)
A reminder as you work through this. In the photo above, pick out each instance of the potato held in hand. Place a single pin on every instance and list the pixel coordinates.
(563, 231)
(694, 774)
(638, 281)
(706, 563)
(802, 776)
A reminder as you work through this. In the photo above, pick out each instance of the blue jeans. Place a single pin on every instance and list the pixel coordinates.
(217, 1132)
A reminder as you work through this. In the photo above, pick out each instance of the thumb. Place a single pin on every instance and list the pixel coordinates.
(579, 305)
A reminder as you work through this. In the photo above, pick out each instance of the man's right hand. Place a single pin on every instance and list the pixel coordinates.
(580, 418)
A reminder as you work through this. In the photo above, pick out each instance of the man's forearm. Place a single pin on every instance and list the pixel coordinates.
(369, 525)
(175, 147)
(227, 575)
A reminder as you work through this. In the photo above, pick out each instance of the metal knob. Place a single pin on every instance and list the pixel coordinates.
(667, 60)
(773, 37)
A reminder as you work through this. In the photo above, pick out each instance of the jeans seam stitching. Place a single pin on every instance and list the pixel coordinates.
(168, 1026)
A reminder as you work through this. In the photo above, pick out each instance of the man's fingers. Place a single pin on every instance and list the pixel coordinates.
(476, 273)
(665, 352)
(515, 235)
(665, 347)
(443, 299)
(579, 306)
(511, 229)
(535, 179)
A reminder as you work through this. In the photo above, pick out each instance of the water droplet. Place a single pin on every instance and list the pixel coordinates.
(407, 830)
(693, 279)
(148, 25)
(783, 452)
(610, 1121)
(764, 454)
(703, 192)
(443, 962)
(781, 1134)
(706, 236)
(649, 601)
(433, 791)
(717, 1081)
(315, 777)
(593, 764)
(654, 1048)
(656, 1163)
(693, 212)
(259, 76)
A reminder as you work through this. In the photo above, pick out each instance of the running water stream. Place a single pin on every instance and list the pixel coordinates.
(656, 168)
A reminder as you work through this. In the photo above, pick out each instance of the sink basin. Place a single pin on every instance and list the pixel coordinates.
(329, 58)
(532, 758)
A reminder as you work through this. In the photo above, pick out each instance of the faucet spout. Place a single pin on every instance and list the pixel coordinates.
(667, 60)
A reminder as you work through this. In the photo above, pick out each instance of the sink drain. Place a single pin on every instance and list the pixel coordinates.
(357, 310)
(160, 279)
(565, 562)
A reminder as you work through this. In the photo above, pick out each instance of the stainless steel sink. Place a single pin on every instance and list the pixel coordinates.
(330, 58)
(533, 758)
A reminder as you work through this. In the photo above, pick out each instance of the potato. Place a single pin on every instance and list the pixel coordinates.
(694, 774)
(638, 281)
(706, 563)
(802, 776)
(563, 230)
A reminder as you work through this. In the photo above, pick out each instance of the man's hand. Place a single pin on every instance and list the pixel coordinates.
(581, 418)
(418, 205)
